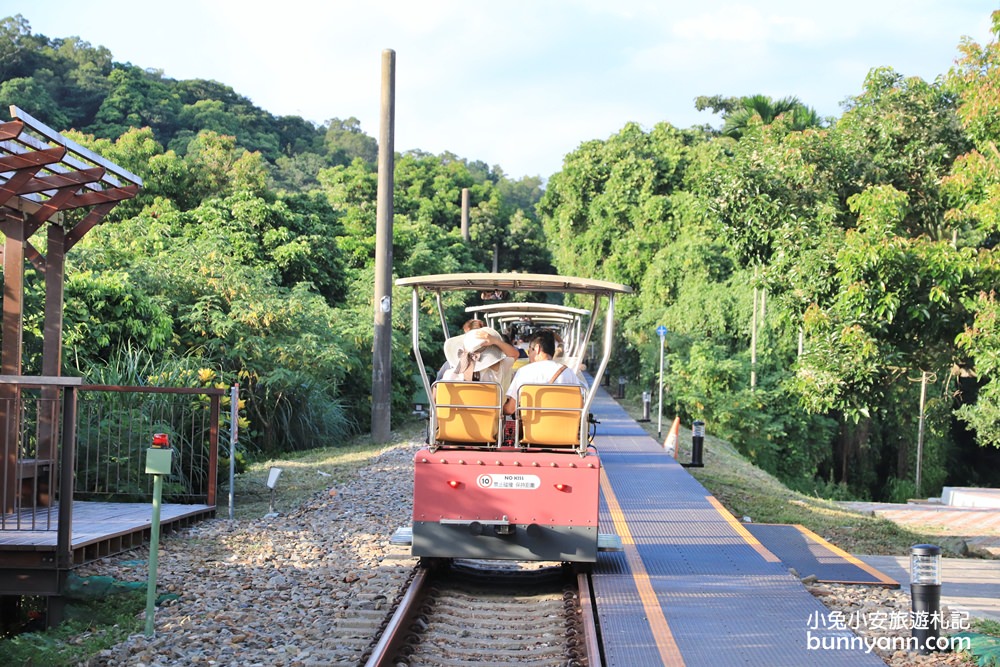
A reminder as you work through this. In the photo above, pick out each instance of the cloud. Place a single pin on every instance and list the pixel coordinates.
(736, 25)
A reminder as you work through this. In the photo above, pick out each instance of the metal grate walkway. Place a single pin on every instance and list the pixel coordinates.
(693, 586)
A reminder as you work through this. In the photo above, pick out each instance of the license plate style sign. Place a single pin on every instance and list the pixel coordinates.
(508, 481)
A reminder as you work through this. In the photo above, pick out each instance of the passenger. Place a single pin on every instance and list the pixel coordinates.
(522, 347)
(467, 327)
(540, 370)
(480, 355)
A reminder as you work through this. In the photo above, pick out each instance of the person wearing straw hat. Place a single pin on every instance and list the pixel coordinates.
(480, 355)
(467, 327)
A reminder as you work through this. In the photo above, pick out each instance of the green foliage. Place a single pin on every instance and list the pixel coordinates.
(982, 342)
(345, 142)
(106, 311)
(763, 109)
(30, 93)
(91, 627)
(903, 132)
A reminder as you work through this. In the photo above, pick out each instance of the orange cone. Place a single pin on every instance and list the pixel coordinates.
(670, 444)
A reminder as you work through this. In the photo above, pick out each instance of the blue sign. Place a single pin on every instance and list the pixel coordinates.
(661, 331)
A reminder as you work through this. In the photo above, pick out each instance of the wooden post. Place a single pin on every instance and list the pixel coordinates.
(382, 344)
(10, 354)
(55, 265)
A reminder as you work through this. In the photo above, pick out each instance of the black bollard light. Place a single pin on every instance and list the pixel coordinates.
(697, 444)
(621, 386)
(925, 596)
(647, 398)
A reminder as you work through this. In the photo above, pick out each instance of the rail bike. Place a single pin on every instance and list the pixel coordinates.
(521, 487)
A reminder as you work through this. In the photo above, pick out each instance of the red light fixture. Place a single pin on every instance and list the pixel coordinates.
(453, 483)
(562, 487)
(161, 440)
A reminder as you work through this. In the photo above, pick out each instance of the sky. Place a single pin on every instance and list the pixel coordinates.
(522, 83)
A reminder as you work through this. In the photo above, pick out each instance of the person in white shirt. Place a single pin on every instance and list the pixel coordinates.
(541, 369)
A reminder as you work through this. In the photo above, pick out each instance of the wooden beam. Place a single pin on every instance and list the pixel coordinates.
(12, 188)
(93, 218)
(92, 198)
(53, 205)
(73, 179)
(25, 166)
(27, 160)
(11, 130)
(50, 134)
(32, 255)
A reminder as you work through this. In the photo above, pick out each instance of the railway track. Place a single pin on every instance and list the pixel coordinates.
(491, 613)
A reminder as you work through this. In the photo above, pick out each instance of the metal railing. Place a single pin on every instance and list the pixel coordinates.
(99, 433)
(115, 427)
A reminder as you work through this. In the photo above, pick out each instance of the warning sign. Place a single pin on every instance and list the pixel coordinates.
(527, 482)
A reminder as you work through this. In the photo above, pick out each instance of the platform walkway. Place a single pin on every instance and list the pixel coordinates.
(693, 586)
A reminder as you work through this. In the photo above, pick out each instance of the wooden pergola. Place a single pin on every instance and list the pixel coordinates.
(46, 180)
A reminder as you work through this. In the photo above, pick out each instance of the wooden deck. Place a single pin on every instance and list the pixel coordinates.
(28, 541)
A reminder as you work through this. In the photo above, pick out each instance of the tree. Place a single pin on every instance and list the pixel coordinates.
(902, 132)
(973, 190)
(739, 112)
(982, 342)
(35, 98)
(19, 49)
(345, 141)
(137, 99)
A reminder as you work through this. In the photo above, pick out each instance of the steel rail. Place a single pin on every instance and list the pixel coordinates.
(589, 621)
(395, 632)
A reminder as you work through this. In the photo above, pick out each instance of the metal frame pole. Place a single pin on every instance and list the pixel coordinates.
(659, 417)
(234, 424)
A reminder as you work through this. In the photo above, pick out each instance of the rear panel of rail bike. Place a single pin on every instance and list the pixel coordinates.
(506, 504)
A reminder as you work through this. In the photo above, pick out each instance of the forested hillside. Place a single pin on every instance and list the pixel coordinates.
(810, 271)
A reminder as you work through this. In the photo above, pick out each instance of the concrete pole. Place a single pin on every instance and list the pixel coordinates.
(920, 430)
(465, 214)
(753, 343)
(382, 345)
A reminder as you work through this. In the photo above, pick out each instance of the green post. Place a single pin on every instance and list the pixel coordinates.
(154, 554)
(158, 459)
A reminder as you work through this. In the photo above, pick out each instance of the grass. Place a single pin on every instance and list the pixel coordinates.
(746, 490)
(94, 626)
(986, 626)
(90, 628)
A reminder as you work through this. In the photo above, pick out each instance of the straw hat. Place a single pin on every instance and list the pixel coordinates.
(483, 355)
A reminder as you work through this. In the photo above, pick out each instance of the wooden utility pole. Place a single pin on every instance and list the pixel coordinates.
(382, 345)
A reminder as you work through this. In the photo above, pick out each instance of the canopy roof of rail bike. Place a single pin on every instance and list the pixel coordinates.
(514, 282)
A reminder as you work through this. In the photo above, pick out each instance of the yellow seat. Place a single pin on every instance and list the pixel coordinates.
(550, 415)
(467, 412)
